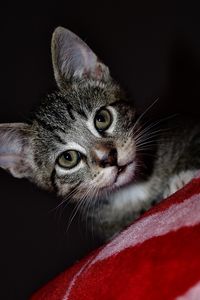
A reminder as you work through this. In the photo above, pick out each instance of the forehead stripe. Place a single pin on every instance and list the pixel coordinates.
(48, 126)
(52, 129)
(69, 109)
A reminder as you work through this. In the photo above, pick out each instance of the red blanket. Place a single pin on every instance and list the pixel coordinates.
(157, 257)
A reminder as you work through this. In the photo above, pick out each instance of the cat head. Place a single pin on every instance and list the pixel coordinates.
(80, 140)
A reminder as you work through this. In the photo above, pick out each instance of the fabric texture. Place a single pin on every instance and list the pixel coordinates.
(157, 257)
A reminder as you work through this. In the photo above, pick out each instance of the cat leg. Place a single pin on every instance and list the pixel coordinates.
(177, 181)
(122, 208)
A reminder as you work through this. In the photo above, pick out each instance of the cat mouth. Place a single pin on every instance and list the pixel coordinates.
(121, 169)
(125, 174)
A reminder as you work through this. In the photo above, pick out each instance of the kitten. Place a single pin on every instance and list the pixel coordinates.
(85, 142)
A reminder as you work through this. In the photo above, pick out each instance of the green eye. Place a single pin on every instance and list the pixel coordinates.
(102, 120)
(69, 159)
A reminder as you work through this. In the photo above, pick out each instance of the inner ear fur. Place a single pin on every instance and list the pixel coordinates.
(74, 60)
(15, 152)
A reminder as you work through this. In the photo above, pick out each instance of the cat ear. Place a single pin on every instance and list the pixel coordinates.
(73, 59)
(14, 149)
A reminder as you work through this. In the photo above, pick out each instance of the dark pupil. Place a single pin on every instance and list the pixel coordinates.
(100, 118)
(68, 156)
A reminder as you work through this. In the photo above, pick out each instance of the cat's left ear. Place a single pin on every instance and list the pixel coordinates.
(15, 154)
(74, 60)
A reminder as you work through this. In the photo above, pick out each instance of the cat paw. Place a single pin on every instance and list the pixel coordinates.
(176, 182)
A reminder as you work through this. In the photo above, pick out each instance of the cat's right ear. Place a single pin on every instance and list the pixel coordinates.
(15, 150)
(74, 60)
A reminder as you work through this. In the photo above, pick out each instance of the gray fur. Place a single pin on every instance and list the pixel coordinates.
(65, 119)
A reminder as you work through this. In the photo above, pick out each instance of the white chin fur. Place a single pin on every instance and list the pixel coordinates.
(126, 176)
(107, 177)
(111, 179)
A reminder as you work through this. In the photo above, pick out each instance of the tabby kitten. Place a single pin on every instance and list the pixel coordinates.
(84, 143)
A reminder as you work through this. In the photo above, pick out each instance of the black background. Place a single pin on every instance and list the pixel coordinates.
(152, 49)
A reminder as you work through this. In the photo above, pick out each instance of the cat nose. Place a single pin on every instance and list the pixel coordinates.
(105, 156)
(109, 158)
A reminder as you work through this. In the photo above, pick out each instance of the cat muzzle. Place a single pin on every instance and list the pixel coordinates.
(104, 156)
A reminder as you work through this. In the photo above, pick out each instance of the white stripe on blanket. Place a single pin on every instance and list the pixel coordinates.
(178, 215)
(192, 294)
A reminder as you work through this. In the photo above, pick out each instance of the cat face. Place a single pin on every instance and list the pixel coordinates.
(81, 139)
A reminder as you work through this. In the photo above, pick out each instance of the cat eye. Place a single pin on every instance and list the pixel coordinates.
(102, 120)
(69, 159)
